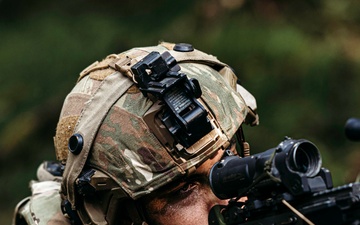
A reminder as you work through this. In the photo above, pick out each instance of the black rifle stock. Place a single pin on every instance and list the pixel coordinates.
(283, 185)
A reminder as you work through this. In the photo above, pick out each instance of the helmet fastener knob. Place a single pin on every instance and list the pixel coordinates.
(183, 47)
(76, 142)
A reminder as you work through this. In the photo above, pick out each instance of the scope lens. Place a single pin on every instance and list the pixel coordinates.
(306, 159)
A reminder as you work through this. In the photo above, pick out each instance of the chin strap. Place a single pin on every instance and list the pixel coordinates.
(244, 145)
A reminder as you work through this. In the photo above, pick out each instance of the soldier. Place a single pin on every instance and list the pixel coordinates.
(137, 137)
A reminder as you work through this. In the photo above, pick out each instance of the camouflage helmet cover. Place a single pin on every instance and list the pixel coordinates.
(127, 147)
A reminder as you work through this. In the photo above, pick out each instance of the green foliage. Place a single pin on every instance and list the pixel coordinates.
(300, 59)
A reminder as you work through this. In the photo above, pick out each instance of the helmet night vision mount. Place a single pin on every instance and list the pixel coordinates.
(185, 118)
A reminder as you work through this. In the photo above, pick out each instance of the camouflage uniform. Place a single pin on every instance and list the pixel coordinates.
(125, 146)
(43, 206)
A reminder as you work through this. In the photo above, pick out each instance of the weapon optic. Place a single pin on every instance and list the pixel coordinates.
(283, 185)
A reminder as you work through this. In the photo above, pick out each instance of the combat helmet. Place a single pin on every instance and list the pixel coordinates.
(138, 120)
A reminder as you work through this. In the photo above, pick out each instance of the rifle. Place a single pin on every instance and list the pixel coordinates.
(283, 185)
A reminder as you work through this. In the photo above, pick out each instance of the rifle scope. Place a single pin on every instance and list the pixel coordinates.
(295, 164)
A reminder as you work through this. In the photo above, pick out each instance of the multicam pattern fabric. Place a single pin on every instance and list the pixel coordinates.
(124, 147)
(73, 105)
(227, 105)
(43, 207)
(131, 154)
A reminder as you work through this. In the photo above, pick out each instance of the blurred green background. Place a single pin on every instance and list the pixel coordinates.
(300, 59)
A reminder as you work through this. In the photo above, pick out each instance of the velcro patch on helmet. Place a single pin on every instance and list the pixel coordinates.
(64, 129)
(101, 74)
